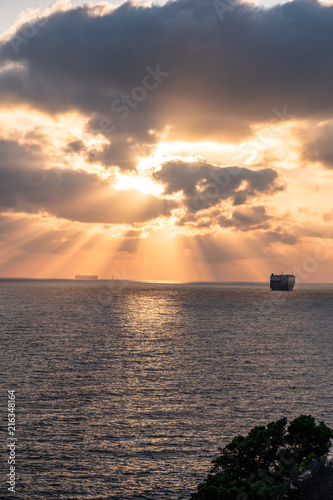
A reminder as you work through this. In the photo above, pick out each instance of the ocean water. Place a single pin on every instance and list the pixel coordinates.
(126, 390)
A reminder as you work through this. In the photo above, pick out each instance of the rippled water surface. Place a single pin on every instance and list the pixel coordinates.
(126, 390)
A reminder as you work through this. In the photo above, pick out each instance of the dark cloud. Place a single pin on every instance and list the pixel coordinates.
(75, 147)
(74, 195)
(27, 185)
(205, 185)
(246, 219)
(218, 78)
(279, 236)
(320, 147)
(120, 153)
(14, 155)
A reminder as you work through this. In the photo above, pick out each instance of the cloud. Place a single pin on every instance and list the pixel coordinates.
(205, 185)
(318, 144)
(279, 236)
(14, 155)
(246, 219)
(219, 78)
(75, 195)
(28, 185)
(132, 233)
(120, 153)
(75, 147)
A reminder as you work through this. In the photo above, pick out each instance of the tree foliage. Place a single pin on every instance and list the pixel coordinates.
(271, 462)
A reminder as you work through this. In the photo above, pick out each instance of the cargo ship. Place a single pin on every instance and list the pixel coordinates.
(86, 277)
(282, 281)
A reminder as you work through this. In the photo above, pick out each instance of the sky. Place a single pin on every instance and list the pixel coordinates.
(180, 141)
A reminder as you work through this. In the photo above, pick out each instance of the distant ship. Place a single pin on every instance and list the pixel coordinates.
(282, 282)
(86, 277)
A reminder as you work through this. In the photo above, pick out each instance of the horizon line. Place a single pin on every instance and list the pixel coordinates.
(157, 281)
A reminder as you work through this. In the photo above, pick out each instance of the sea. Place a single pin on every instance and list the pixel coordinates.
(127, 390)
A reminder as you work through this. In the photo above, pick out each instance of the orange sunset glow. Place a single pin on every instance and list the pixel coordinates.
(135, 160)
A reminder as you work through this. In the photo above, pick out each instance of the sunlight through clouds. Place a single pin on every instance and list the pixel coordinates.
(168, 154)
